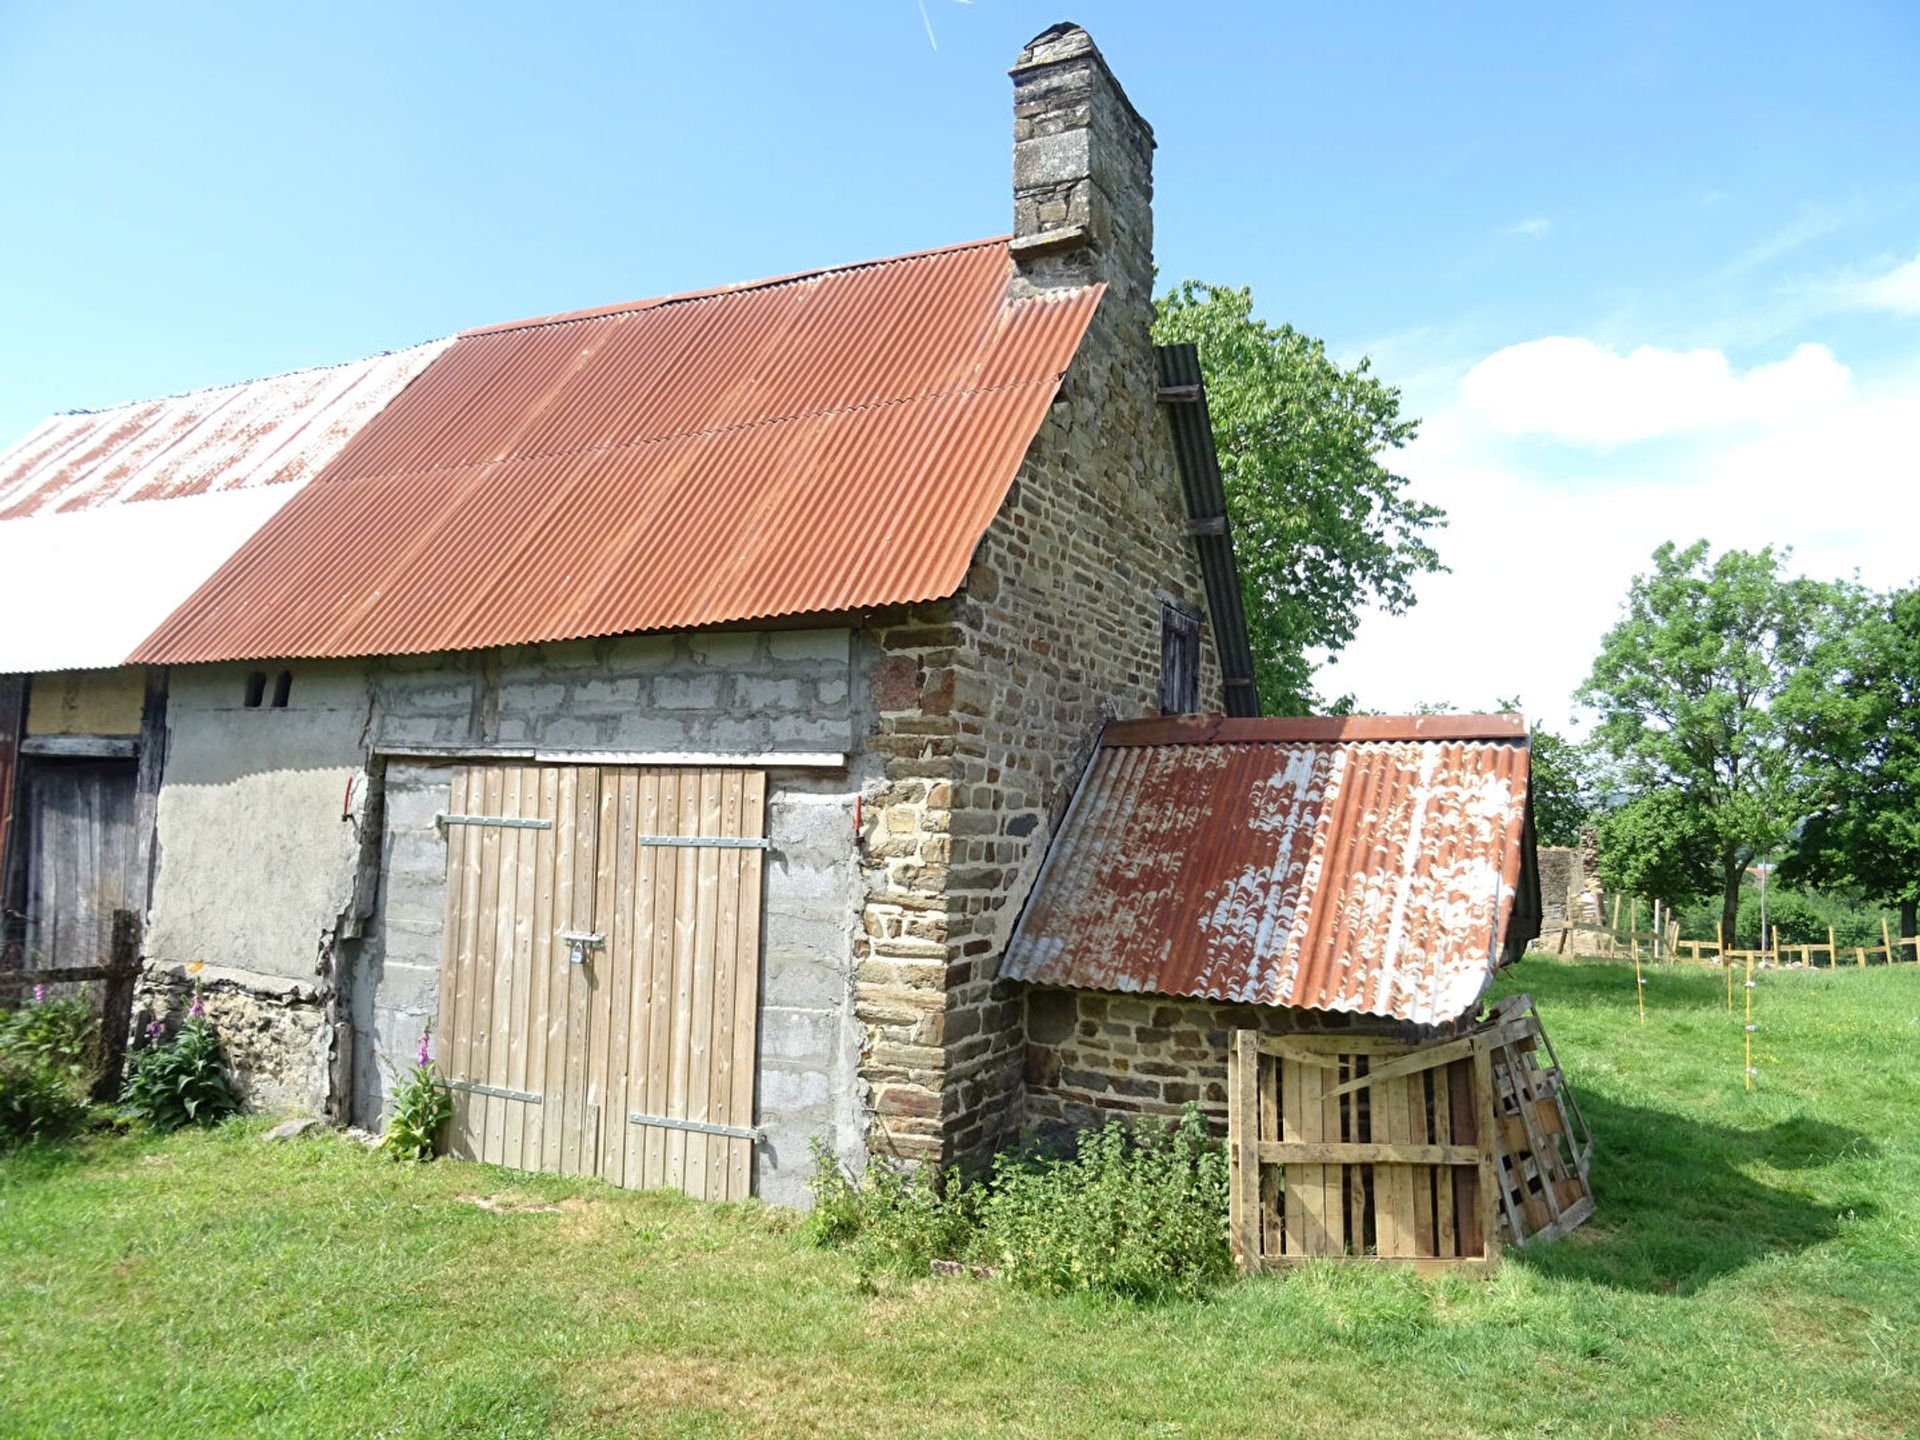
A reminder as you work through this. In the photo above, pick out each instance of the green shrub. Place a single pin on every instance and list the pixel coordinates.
(1799, 917)
(64, 1035)
(49, 1051)
(1140, 1215)
(420, 1107)
(1137, 1214)
(182, 1082)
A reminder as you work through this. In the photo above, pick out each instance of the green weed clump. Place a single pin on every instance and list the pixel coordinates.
(181, 1082)
(1138, 1214)
(49, 1056)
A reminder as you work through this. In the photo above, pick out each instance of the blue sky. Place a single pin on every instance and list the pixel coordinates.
(1638, 266)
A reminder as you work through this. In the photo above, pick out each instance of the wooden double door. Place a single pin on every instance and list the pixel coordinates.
(600, 971)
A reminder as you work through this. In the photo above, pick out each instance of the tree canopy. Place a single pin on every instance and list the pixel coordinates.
(1866, 728)
(1708, 691)
(1562, 801)
(1322, 528)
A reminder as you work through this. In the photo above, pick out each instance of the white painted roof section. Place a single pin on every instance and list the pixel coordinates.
(109, 519)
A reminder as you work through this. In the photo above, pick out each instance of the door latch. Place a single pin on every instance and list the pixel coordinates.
(578, 942)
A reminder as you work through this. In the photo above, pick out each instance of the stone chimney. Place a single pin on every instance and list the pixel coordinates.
(1082, 172)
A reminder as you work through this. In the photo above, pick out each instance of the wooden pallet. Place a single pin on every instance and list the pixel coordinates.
(1367, 1148)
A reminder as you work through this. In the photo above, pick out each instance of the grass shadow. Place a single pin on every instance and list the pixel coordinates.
(1676, 1206)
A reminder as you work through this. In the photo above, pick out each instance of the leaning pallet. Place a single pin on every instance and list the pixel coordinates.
(1374, 1149)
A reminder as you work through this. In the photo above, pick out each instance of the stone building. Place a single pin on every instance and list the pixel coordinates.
(673, 702)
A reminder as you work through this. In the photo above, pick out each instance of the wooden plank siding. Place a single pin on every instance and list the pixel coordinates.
(572, 1065)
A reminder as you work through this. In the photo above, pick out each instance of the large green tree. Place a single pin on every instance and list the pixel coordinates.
(1705, 692)
(1562, 792)
(1322, 527)
(1866, 725)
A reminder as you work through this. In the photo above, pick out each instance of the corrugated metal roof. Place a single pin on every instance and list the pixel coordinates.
(110, 519)
(275, 431)
(824, 442)
(1364, 865)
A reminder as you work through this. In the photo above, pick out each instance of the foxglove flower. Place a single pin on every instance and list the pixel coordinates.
(153, 1030)
(423, 1055)
(39, 994)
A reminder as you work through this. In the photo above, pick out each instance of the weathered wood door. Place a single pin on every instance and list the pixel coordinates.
(600, 971)
(80, 859)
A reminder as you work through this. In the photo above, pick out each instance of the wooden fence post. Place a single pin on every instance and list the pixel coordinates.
(116, 1002)
(1243, 1121)
(1886, 939)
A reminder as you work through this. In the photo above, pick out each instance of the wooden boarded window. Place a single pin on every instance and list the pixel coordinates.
(1179, 659)
(600, 971)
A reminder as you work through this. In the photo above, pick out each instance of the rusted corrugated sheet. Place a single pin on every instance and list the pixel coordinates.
(1334, 865)
(109, 520)
(824, 442)
(263, 432)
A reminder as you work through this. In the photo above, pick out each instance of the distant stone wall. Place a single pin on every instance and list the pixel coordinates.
(1570, 885)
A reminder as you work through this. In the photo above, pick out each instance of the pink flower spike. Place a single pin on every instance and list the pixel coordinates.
(424, 1054)
(39, 994)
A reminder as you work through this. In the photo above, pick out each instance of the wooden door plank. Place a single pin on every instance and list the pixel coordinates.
(1311, 1083)
(505, 963)
(1332, 1177)
(1392, 1193)
(640, 990)
(581, 1158)
(1270, 1219)
(1466, 1179)
(553, 1124)
(686, 905)
(726, 938)
(1420, 1177)
(599, 966)
(700, 1016)
(526, 902)
(746, 985)
(533, 1146)
(1243, 1076)
(660, 992)
(618, 959)
(1293, 1185)
(1446, 1230)
(485, 937)
(1359, 1178)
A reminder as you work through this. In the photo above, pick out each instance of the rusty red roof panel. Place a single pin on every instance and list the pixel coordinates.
(1374, 874)
(822, 442)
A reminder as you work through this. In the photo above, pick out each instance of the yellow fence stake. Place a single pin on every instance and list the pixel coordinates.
(1726, 964)
(1886, 938)
(1833, 948)
(1639, 983)
(1749, 1019)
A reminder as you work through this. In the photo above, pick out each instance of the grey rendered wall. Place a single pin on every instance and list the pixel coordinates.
(258, 879)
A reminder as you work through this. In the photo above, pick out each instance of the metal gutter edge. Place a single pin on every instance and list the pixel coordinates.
(1183, 390)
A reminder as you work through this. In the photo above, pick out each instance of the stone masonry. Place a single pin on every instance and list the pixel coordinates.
(987, 706)
(1092, 1057)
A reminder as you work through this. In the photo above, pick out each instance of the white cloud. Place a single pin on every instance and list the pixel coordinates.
(1575, 389)
(1536, 228)
(1540, 566)
(1898, 290)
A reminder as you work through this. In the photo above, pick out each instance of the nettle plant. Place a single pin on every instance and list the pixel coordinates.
(174, 1083)
(421, 1107)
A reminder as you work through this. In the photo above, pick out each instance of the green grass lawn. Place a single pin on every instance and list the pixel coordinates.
(1753, 1270)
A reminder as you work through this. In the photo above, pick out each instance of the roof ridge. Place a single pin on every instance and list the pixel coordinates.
(740, 287)
(251, 380)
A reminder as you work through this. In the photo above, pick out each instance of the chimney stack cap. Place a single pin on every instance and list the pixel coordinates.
(1065, 43)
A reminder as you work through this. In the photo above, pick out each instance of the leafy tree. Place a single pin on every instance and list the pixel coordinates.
(1322, 528)
(1659, 845)
(1706, 691)
(1562, 799)
(1867, 727)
